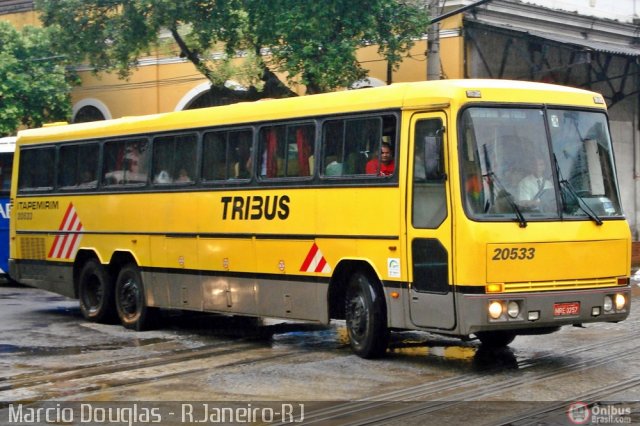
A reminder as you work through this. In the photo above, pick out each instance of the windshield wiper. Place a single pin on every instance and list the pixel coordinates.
(507, 195)
(581, 203)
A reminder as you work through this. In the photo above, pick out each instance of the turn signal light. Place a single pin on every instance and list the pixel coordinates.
(494, 288)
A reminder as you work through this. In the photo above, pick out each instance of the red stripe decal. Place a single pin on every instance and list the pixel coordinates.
(309, 259)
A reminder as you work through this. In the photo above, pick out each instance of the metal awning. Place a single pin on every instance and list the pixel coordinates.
(598, 46)
(595, 45)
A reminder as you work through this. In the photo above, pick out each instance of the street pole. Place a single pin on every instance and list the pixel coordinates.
(433, 43)
(433, 34)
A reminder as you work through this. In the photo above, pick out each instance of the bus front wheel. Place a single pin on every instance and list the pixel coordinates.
(366, 317)
(95, 291)
(496, 339)
(131, 302)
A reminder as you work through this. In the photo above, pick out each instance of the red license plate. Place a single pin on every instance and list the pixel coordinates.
(562, 309)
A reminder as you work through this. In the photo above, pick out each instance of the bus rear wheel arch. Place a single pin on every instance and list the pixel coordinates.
(366, 315)
(95, 292)
(131, 303)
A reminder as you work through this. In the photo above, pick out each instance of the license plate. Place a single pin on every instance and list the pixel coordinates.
(562, 309)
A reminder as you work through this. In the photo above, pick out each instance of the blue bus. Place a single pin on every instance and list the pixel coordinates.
(7, 148)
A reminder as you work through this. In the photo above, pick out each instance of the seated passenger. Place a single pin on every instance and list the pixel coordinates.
(162, 177)
(386, 163)
(333, 167)
(183, 176)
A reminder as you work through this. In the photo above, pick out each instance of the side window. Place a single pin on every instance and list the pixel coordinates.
(174, 159)
(286, 151)
(333, 148)
(126, 162)
(359, 146)
(35, 171)
(382, 156)
(78, 166)
(227, 155)
(429, 207)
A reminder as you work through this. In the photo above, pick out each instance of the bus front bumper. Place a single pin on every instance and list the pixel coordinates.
(539, 310)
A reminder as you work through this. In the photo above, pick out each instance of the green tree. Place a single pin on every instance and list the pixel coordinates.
(34, 85)
(317, 41)
(314, 42)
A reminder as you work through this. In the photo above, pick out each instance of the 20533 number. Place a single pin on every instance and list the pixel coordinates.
(515, 253)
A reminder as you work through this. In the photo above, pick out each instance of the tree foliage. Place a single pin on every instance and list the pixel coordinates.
(34, 86)
(317, 41)
(312, 42)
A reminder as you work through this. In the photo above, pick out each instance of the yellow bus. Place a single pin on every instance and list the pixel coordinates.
(469, 208)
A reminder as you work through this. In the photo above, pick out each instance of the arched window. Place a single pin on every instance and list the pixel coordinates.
(88, 113)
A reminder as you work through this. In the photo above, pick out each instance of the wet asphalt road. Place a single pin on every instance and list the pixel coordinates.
(48, 352)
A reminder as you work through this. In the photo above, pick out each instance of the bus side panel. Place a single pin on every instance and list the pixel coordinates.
(223, 262)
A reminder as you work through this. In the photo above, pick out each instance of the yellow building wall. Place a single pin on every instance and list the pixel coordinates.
(150, 89)
(21, 19)
(160, 85)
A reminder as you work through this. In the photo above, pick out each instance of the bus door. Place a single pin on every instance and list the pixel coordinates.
(429, 225)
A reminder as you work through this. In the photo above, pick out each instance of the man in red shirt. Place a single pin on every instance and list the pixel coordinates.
(386, 163)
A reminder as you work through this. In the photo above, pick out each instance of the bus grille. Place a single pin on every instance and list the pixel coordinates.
(32, 248)
(560, 285)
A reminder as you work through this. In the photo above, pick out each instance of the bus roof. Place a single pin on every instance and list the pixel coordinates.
(398, 95)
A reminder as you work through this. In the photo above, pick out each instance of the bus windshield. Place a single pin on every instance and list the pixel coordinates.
(522, 164)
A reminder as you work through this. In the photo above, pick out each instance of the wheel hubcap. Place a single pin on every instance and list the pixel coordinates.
(93, 295)
(129, 298)
(358, 318)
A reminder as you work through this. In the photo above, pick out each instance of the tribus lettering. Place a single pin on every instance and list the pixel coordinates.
(255, 207)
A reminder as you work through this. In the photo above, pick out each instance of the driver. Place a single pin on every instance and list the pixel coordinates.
(532, 186)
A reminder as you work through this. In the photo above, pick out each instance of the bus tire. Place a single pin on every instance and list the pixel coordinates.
(366, 317)
(131, 303)
(496, 339)
(95, 292)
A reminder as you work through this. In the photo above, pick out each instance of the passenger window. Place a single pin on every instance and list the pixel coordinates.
(239, 154)
(78, 166)
(34, 175)
(174, 159)
(333, 148)
(227, 155)
(126, 162)
(286, 151)
(359, 146)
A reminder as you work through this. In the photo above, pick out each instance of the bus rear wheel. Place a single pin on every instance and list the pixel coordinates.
(131, 303)
(496, 339)
(366, 317)
(95, 291)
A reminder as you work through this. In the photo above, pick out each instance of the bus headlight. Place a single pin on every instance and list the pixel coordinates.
(607, 305)
(495, 309)
(513, 309)
(621, 301)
